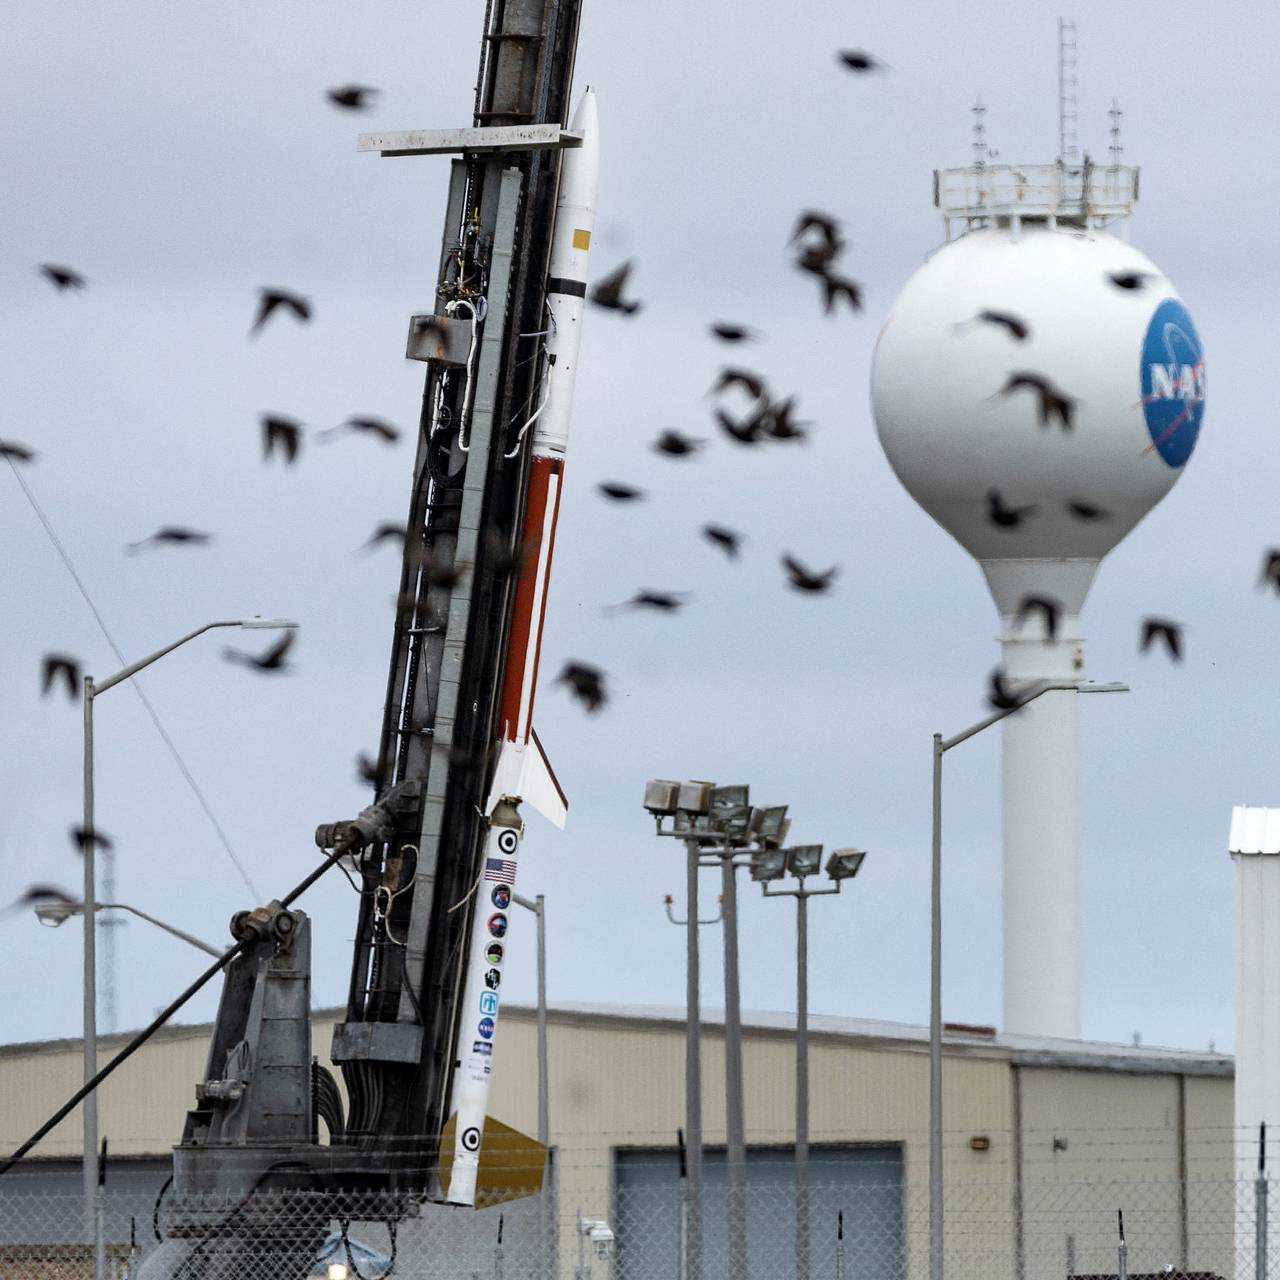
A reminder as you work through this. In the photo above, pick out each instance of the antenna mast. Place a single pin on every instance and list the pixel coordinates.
(1116, 149)
(1068, 151)
(980, 151)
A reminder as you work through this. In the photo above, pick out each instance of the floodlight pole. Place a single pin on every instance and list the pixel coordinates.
(734, 1127)
(802, 894)
(941, 746)
(692, 1072)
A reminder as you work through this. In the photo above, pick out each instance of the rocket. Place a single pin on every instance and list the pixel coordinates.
(522, 772)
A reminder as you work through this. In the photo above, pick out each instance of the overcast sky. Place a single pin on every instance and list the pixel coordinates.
(181, 157)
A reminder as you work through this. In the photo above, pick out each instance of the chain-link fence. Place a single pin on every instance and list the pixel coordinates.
(1048, 1230)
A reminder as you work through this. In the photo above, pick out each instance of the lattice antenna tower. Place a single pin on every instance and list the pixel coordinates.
(1068, 94)
(980, 151)
(1116, 149)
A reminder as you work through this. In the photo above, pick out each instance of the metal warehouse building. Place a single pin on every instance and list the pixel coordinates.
(1045, 1140)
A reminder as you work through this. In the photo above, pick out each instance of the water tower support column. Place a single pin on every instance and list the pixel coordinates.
(1041, 836)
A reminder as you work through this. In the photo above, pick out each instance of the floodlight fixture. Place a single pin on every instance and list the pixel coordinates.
(843, 864)
(768, 864)
(803, 859)
(730, 809)
(694, 797)
(661, 796)
(267, 624)
(778, 841)
(767, 821)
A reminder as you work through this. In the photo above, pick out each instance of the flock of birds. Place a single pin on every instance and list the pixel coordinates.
(746, 412)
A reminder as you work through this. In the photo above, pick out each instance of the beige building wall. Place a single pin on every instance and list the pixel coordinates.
(1070, 1135)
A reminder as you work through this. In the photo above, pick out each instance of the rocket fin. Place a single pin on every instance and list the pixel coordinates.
(511, 1165)
(524, 773)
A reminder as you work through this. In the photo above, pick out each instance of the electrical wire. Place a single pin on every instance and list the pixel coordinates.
(137, 688)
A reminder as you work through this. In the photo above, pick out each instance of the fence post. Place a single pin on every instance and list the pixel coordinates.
(1260, 1207)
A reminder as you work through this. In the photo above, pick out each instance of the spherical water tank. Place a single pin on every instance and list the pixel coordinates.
(1129, 359)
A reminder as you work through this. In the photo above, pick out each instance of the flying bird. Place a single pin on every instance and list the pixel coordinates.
(1165, 632)
(62, 278)
(776, 423)
(827, 227)
(999, 693)
(620, 492)
(1052, 402)
(36, 894)
(352, 97)
(1087, 510)
(281, 435)
(272, 300)
(1270, 575)
(440, 573)
(752, 383)
(733, 332)
(273, 660)
(366, 770)
(726, 539)
(747, 431)
(1049, 609)
(607, 293)
(387, 531)
(1131, 281)
(12, 451)
(662, 601)
(860, 61)
(804, 579)
(384, 431)
(60, 666)
(1017, 328)
(82, 838)
(675, 445)
(585, 683)
(171, 535)
(834, 288)
(1004, 516)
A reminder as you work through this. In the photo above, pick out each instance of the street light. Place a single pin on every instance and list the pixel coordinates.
(91, 691)
(941, 746)
(803, 861)
(52, 914)
(715, 822)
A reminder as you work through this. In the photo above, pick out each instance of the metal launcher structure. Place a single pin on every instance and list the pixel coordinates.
(434, 855)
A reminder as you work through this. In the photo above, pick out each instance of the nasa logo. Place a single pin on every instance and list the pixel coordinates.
(493, 979)
(1173, 382)
(485, 1028)
(493, 953)
(497, 924)
(501, 897)
(471, 1139)
(488, 1002)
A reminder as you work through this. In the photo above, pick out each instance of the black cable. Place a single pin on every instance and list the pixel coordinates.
(155, 1213)
(345, 1223)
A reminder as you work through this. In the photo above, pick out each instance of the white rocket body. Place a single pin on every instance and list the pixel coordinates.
(1132, 362)
(522, 768)
(522, 772)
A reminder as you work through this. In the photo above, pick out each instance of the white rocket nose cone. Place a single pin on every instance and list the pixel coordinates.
(584, 119)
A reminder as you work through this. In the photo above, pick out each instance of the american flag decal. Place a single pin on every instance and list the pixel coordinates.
(501, 870)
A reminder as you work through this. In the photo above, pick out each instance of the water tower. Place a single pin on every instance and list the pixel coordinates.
(1037, 277)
